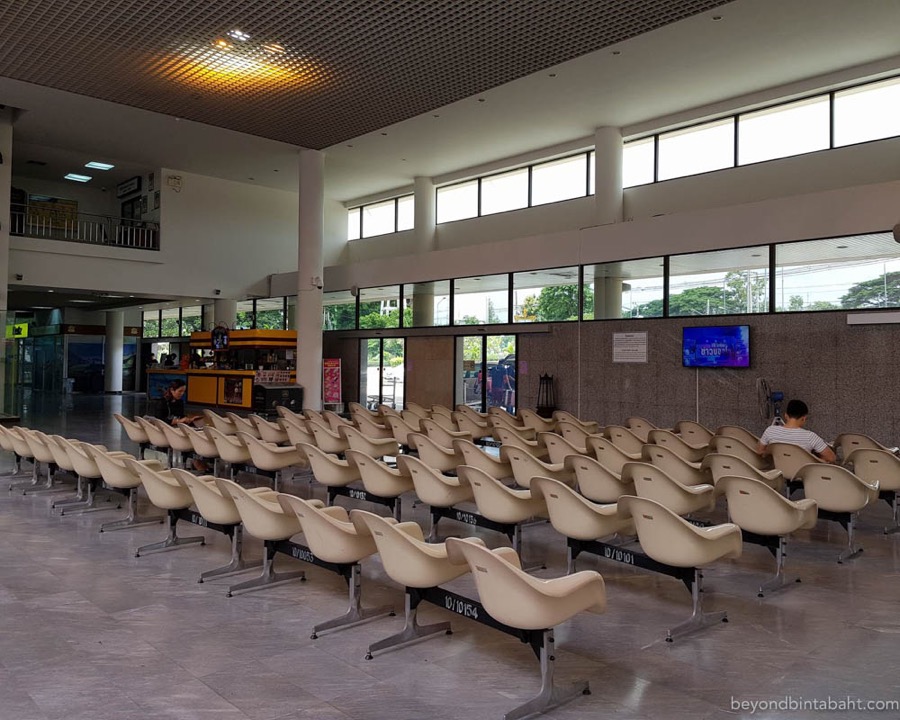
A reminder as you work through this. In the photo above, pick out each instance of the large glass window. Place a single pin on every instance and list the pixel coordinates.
(628, 289)
(429, 303)
(338, 310)
(868, 112)
(406, 212)
(637, 162)
(508, 191)
(784, 130)
(853, 273)
(151, 323)
(481, 300)
(353, 220)
(724, 282)
(170, 325)
(697, 149)
(379, 307)
(379, 218)
(545, 295)
(244, 316)
(291, 319)
(559, 180)
(457, 202)
(270, 313)
(191, 319)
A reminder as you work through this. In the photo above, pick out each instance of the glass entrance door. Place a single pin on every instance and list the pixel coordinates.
(381, 372)
(486, 371)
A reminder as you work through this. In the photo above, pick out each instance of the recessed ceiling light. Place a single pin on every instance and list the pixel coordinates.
(41, 307)
(274, 48)
(716, 17)
(51, 291)
(552, 75)
(239, 35)
(841, 247)
(78, 178)
(99, 165)
(86, 302)
(480, 99)
(616, 52)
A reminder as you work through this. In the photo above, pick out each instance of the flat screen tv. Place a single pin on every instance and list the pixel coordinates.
(718, 346)
(219, 336)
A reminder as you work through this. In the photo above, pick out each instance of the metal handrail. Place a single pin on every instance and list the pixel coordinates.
(39, 222)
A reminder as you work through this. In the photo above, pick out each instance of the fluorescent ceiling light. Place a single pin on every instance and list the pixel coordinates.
(99, 165)
(89, 302)
(239, 35)
(41, 307)
(78, 178)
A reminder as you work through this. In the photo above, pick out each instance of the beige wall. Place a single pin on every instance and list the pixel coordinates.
(429, 370)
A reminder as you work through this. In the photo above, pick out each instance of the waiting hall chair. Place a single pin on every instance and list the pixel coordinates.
(681, 447)
(671, 540)
(720, 466)
(380, 479)
(640, 427)
(503, 421)
(220, 509)
(375, 447)
(411, 562)
(417, 409)
(19, 444)
(540, 606)
(653, 482)
(596, 481)
(178, 440)
(472, 413)
(500, 413)
(326, 439)
(270, 432)
(608, 454)
(372, 428)
(356, 408)
(693, 432)
(63, 462)
(478, 429)
(166, 493)
(847, 443)
(626, 440)
(231, 448)
(117, 474)
(790, 458)
(329, 469)
(242, 424)
(42, 457)
(434, 488)
(758, 508)
(158, 440)
(89, 475)
(441, 410)
(6, 444)
(508, 436)
(333, 538)
(492, 464)
(297, 432)
(335, 421)
(203, 445)
(264, 518)
(723, 445)
(590, 427)
(738, 433)
(271, 458)
(440, 458)
(558, 448)
(838, 491)
(224, 425)
(441, 435)
(881, 466)
(525, 467)
(575, 434)
(685, 472)
(537, 423)
(135, 433)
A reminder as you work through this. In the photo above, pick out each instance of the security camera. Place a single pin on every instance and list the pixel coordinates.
(19, 276)
(319, 285)
(217, 291)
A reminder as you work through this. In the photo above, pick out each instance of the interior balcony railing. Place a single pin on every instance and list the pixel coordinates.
(39, 222)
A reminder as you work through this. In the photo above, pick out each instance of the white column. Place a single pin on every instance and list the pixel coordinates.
(7, 347)
(310, 241)
(424, 218)
(113, 356)
(225, 311)
(608, 175)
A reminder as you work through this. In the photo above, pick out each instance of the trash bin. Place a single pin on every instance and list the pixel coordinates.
(69, 385)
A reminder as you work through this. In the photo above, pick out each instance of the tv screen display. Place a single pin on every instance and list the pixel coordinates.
(720, 346)
(219, 338)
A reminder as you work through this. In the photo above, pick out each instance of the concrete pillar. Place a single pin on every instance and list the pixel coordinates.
(225, 311)
(423, 304)
(608, 175)
(7, 347)
(114, 352)
(310, 242)
(607, 296)
(424, 214)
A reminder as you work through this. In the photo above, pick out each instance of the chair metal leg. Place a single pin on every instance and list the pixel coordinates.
(550, 696)
(268, 575)
(852, 551)
(89, 504)
(698, 619)
(355, 613)
(895, 514)
(132, 519)
(172, 540)
(780, 580)
(30, 482)
(237, 564)
(51, 486)
(78, 497)
(411, 630)
(517, 544)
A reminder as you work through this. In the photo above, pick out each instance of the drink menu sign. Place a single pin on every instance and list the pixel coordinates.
(331, 380)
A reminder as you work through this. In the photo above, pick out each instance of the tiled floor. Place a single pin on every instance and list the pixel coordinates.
(88, 631)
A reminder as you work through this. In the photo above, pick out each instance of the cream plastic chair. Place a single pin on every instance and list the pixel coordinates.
(472, 413)
(372, 429)
(242, 424)
(434, 488)
(331, 537)
(720, 466)
(687, 473)
(437, 409)
(531, 419)
(120, 476)
(757, 508)
(269, 432)
(640, 427)
(738, 433)
(178, 441)
(6, 444)
(496, 411)
(297, 433)
(846, 443)
(158, 440)
(596, 481)
(411, 418)
(335, 421)
(441, 435)
(166, 493)
(41, 457)
(412, 563)
(575, 517)
(63, 462)
(475, 456)
(724, 445)
(673, 541)
(203, 445)
(839, 493)
(589, 427)
(440, 458)
(385, 410)
(506, 436)
(219, 509)
(88, 474)
(503, 421)
(625, 439)
(135, 433)
(881, 466)
(790, 458)
(608, 454)
(653, 482)
(224, 425)
(420, 410)
(380, 479)
(328, 469)
(514, 598)
(356, 408)
(401, 430)
(375, 447)
(478, 429)
(264, 518)
(445, 421)
(678, 445)
(271, 458)
(285, 413)
(525, 466)
(693, 432)
(558, 448)
(575, 434)
(231, 448)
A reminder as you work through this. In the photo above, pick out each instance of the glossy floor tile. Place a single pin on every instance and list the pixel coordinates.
(89, 631)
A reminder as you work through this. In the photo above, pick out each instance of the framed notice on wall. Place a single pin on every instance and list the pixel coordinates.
(629, 347)
(331, 380)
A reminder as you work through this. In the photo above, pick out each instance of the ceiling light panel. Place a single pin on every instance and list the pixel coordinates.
(93, 164)
(307, 72)
(75, 177)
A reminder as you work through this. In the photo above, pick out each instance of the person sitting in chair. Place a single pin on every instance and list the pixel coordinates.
(794, 432)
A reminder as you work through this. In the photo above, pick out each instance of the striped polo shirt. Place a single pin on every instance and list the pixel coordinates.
(806, 439)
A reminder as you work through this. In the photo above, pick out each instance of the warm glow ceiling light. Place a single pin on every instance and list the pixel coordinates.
(75, 177)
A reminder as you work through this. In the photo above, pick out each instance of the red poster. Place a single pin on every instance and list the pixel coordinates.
(331, 381)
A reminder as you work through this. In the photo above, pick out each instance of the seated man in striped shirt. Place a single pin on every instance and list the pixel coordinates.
(793, 432)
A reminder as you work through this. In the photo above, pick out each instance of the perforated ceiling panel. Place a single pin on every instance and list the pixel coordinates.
(310, 73)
